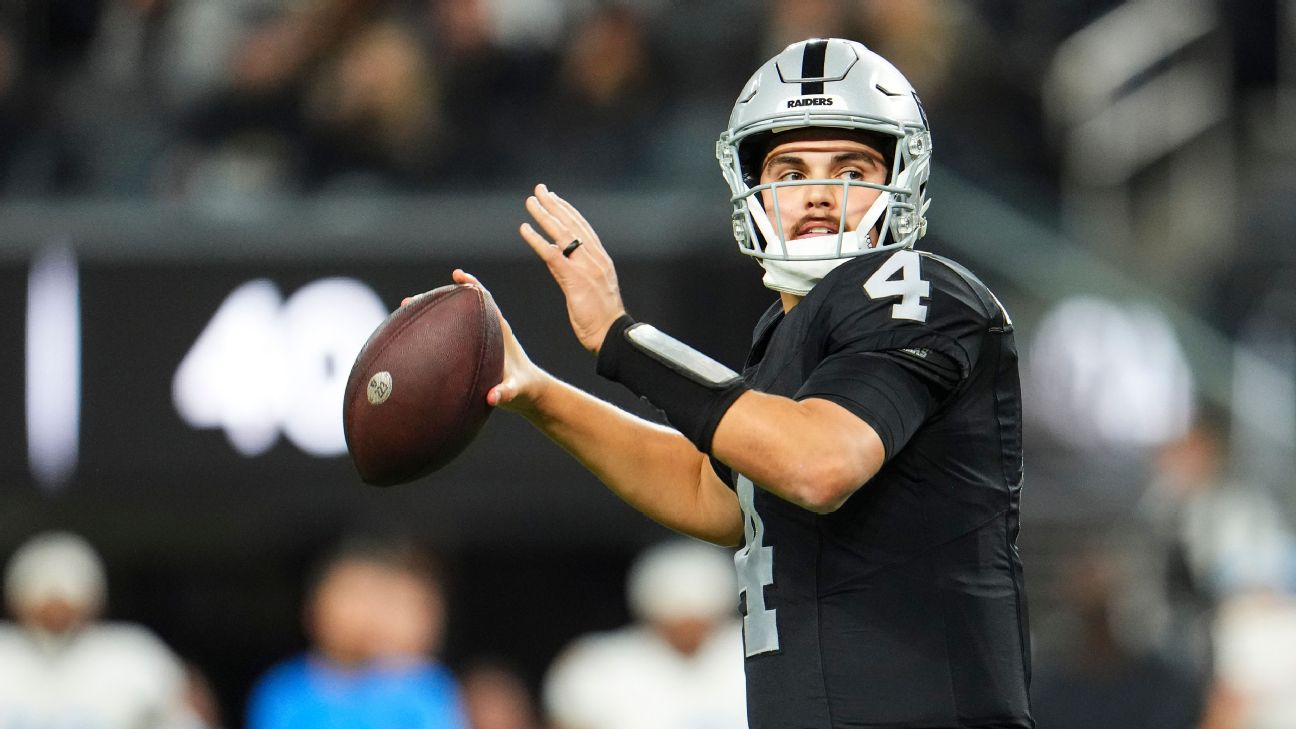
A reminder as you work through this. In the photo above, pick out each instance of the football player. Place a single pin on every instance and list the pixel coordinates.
(868, 457)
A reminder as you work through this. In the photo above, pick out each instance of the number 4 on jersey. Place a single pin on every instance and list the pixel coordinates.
(755, 563)
(910, 286)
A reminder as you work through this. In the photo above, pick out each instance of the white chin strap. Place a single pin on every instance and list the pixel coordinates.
(798, 277)
(817, 255)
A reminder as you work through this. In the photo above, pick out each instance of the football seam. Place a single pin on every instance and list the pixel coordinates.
(481, 349)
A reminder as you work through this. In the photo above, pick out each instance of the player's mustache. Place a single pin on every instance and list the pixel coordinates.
(806, 224)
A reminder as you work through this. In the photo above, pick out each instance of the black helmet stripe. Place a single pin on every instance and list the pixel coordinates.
(812, 66)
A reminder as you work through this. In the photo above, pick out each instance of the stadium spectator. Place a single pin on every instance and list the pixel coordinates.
(375, 615)
(372, 114)
(298, 77)
(12, 107)
(947, 49)
(1255, 636)
(789, 21)
(1229, 535)
(1231, 571)
(604, 105)
(679, 666)
(489, 94)
(496, 697)
(61, 667)
(1105, 671)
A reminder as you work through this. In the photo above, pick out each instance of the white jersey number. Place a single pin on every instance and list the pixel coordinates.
(910, 287)
(755, 563)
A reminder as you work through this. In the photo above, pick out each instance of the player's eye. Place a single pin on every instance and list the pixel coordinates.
(850, 174)
(792, 176)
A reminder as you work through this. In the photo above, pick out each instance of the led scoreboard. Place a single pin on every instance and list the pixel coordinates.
(186, 370)
(264, 366)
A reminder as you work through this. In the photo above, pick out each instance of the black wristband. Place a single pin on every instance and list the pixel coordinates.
(692, 389)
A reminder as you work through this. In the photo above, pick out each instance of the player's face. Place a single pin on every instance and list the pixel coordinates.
(814, 210)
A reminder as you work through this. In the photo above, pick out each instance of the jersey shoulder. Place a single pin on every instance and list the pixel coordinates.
(906, 299)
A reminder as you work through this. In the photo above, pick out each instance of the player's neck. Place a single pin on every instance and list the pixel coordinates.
(789, 300)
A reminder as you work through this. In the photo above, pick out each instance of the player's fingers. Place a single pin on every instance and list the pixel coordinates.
(461, 276)
(563, 212)
(500, 394)
(464, 278)
(575, 225)
(577, 221)
(557, 229)
(543, 248)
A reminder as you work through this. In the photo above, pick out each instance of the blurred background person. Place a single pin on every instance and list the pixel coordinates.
(1230, 577)
(61, 667)
(679, 666)
(1227, 535)
(795, 20)
(375, 615)
(497, 697)
(606, 102)
(317, 96)
(1219, 536)
(372, 114)
(1255, 684)
(489, 91)
(1101, 669)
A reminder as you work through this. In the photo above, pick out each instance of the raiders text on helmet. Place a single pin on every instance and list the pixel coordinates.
(837, 84)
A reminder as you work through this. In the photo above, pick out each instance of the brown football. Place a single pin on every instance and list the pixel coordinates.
(416, 396)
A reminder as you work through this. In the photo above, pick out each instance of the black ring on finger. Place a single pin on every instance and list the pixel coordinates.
(571, 247)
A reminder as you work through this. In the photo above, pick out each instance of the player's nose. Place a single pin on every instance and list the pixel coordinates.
(821, 196)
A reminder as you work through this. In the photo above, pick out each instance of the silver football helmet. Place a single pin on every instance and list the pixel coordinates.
(832, 83)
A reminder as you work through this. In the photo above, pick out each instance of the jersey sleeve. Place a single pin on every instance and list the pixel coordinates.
(894, 392)
(895, 337)
(925, 305)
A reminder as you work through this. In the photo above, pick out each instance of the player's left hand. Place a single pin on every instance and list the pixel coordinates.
(522, 382)
(583, 270)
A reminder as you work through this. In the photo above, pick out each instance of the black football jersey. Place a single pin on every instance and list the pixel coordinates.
(905, 607)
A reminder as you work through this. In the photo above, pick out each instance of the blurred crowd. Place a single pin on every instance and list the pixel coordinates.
(202, 98)
(374, 615)
(1181, 614)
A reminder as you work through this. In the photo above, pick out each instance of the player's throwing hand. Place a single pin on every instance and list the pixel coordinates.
(522, 380)
(578, 262)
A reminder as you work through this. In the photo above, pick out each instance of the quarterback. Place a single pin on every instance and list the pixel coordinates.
(867, 458)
